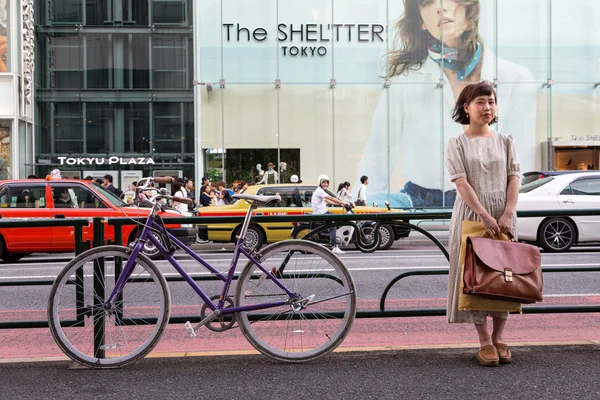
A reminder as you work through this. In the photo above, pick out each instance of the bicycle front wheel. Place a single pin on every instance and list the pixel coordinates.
(315, 320)
(99, 334)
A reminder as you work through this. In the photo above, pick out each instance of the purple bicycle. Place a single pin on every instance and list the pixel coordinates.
(294, 301)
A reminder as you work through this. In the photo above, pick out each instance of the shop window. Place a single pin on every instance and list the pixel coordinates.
(243, 164)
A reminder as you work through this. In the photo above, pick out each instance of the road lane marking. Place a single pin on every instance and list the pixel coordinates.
(357, 269)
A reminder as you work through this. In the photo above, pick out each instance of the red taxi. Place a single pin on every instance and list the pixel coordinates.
(66, 198)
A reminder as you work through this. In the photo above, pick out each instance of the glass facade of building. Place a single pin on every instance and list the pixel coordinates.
(342, 87)
(350, 88)
(114, 84)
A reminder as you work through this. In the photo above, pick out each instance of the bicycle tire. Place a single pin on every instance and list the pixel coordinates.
(283, 333)
(125, 324)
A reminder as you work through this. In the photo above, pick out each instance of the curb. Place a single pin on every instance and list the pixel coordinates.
(182, 354)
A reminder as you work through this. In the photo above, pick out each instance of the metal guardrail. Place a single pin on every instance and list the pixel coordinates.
(400, 218)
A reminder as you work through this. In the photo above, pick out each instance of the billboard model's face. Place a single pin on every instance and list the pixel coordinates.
(445, 15)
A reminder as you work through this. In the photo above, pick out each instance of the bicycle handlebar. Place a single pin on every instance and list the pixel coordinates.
(183, 200)
(164, 179)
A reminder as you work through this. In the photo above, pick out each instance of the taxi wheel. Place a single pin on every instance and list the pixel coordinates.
(254, 238)
(149, 248)
(387, 237)
(12, 257)
(301, 233)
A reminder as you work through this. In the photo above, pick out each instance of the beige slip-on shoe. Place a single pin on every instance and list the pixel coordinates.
(488, 356)
(503, 353)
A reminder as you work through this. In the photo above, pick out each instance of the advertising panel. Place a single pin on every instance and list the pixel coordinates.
(369, 89)
(4, 23)
(4, 152)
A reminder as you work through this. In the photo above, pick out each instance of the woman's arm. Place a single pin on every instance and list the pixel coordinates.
(470, 198)
(512, 195)
(334, 201)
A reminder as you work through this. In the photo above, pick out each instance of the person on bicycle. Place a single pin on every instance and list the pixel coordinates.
(319, 202)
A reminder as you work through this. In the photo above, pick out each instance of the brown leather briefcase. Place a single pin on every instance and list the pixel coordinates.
(503, 270)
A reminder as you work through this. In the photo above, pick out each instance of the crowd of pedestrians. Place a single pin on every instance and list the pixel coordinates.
(211, 193)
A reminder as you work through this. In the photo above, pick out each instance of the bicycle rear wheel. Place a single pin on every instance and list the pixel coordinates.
(102, 335)
(316, 321)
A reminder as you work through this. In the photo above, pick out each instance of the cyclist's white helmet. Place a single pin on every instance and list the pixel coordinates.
(322, 178)
(294, 178)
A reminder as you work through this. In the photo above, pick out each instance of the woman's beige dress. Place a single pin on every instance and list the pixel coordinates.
(486, 163)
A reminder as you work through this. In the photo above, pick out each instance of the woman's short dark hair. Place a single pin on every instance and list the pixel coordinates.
(467, 95)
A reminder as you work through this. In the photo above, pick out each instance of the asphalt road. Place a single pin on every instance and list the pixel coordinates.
(371, 272)
(425, 357)
(542, 372)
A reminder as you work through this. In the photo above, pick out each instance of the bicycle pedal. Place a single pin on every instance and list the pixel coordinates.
(190, 330)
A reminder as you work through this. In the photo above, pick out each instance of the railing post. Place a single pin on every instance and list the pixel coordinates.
(99, 294)
(78, 239)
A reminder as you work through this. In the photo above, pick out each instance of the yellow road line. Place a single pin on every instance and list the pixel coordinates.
(180, 354)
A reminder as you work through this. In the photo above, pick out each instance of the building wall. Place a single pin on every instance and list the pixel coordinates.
(114, 81)
(16, 85)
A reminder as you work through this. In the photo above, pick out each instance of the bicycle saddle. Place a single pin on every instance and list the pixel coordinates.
(267, 200)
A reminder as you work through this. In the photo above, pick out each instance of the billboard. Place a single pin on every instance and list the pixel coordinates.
(4, 21)
(368, 89)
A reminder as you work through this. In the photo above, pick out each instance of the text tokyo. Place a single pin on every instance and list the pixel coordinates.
(313, 33)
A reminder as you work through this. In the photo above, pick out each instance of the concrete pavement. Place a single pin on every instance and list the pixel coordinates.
(539, 372)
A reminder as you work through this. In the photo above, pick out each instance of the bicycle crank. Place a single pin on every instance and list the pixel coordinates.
(223, 322)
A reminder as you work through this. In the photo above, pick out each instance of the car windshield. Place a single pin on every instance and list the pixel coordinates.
(109, 195)
(535, 184)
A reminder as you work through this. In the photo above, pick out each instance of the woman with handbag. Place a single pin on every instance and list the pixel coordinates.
(485, 168)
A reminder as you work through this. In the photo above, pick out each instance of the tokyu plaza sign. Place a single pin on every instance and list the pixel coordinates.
(105, 161)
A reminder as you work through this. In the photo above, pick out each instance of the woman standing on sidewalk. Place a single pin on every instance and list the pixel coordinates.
(485, 168)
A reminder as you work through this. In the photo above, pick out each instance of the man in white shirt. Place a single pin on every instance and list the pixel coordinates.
(319, 202)
(361, 197)
(181, 192)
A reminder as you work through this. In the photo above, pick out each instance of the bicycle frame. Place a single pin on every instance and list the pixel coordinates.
(151, 224)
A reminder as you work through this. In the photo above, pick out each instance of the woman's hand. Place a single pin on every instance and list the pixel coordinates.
(490, 225)
(505, 223)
